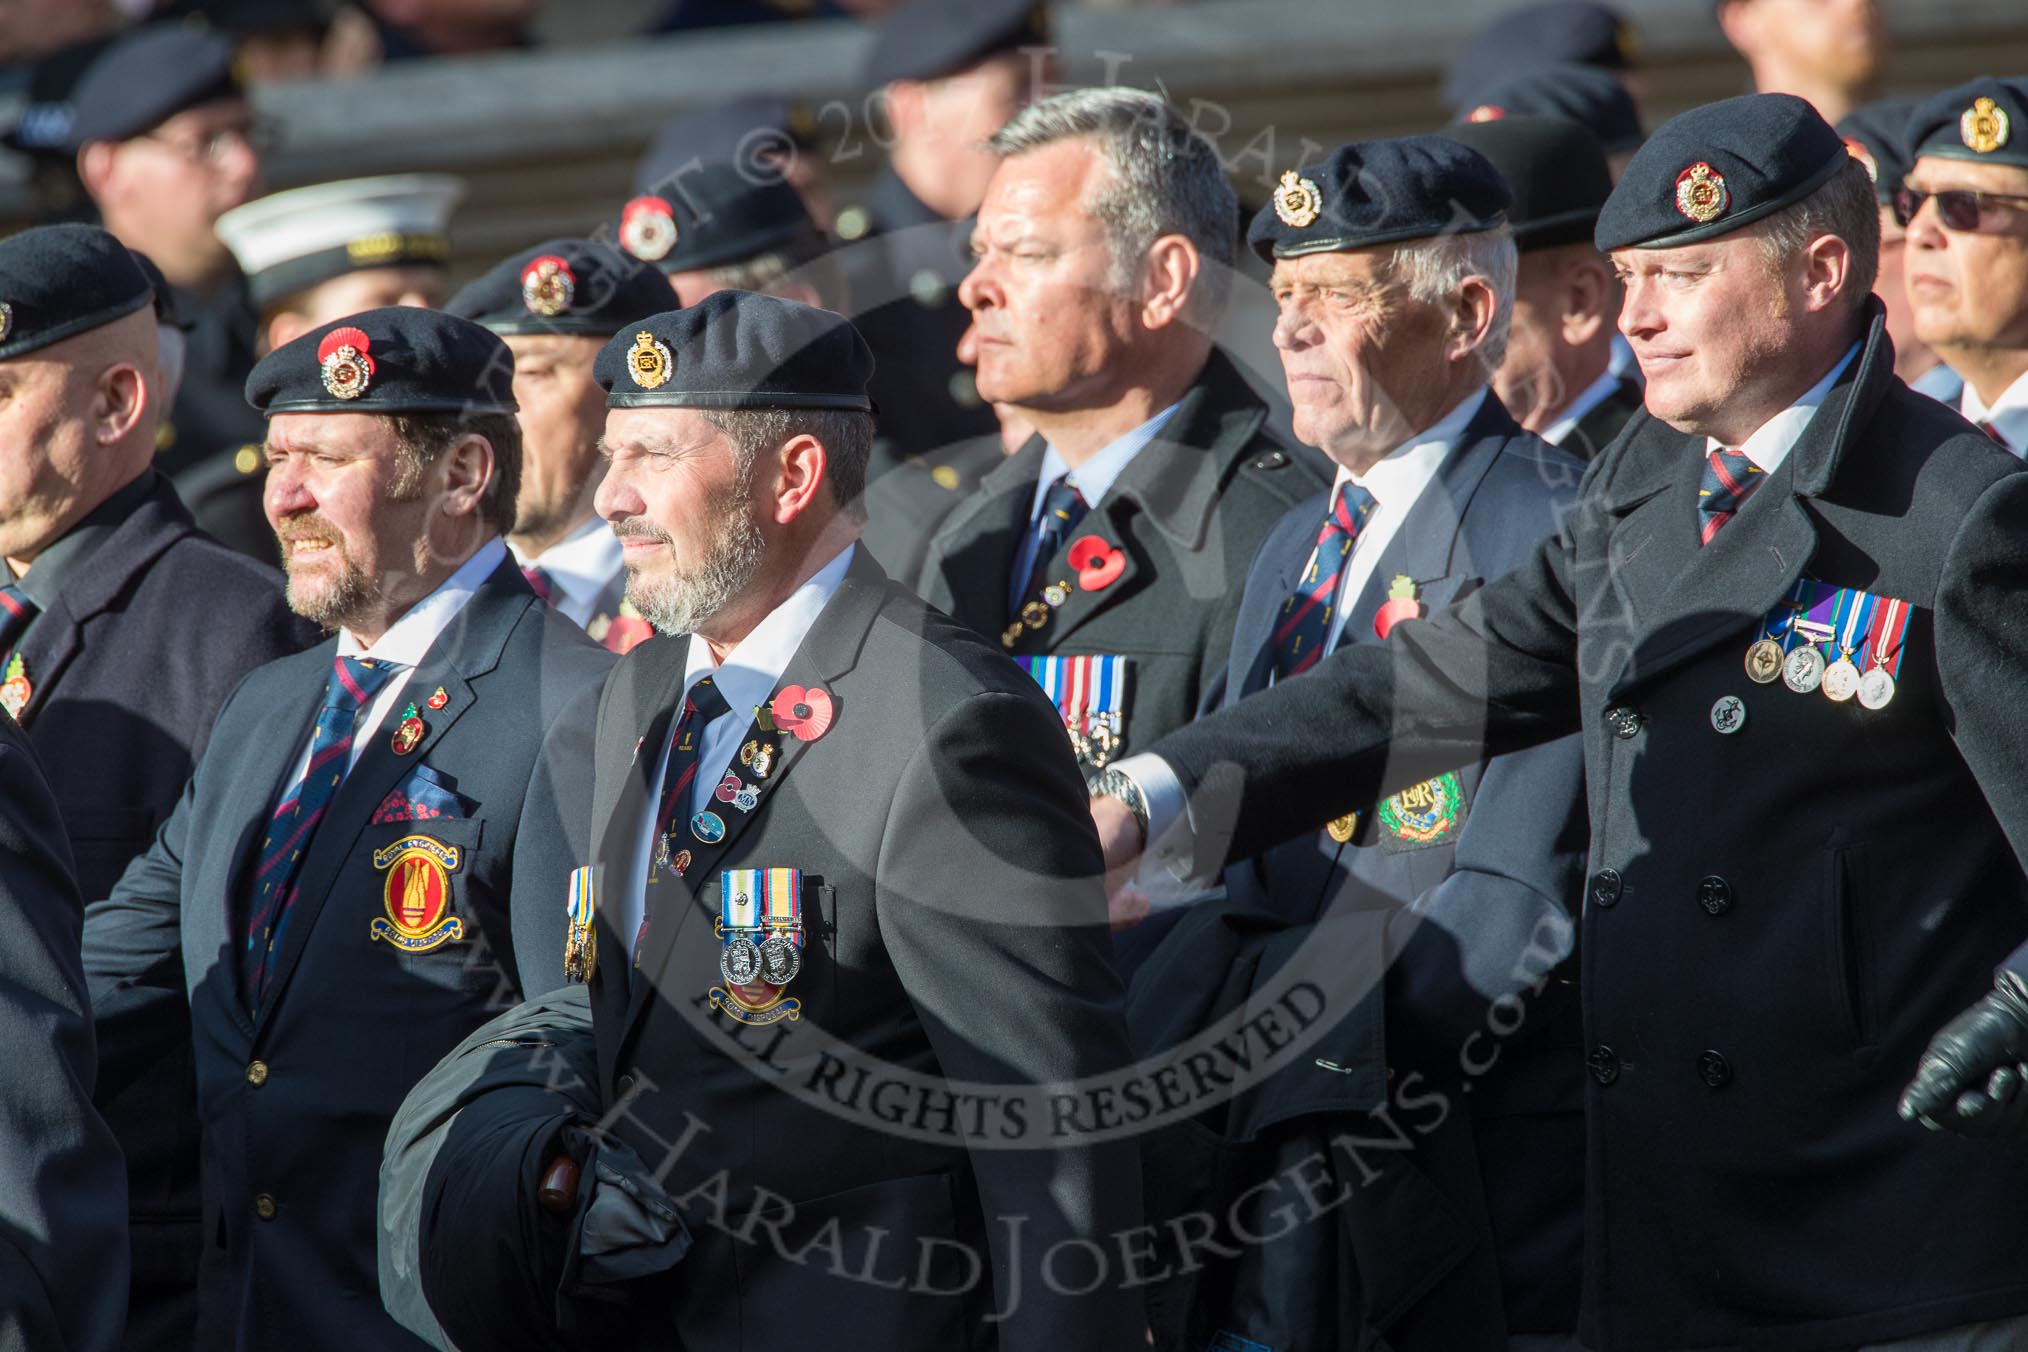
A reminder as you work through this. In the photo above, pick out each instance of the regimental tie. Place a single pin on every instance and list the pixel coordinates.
(701, 707)
(17, 612)
(1994, 433)
(1062, 508)
(348, 690)
(544, 585)
(1729, 480)
(1303, 629)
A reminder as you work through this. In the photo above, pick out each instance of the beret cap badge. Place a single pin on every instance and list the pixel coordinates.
(649, 361)
(548, 286)
(6, 321)
(348, 370)
(1701, 194)
(1984, 126)
(1298, 203)
(1486, 112)
(1858, 151)
(648, 229)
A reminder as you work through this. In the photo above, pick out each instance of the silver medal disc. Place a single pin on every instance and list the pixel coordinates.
(1764, 661)
(1841, 680)
(1876, 689)
(1803, 672)
(780, 959)
(740, 962)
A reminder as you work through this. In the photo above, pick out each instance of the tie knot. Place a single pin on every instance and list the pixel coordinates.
(540, 581)
(1063, 500)
(706, 701)
(1350, 506)
(354, 681)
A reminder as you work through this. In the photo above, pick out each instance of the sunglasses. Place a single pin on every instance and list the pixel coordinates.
(1958, 208)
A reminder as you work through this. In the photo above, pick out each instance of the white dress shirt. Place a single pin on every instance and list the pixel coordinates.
(746, 678)
(580, 567)
(1771, 444)
(405, 644)
(1093, 480)
(1594, 394)
(2008, 413)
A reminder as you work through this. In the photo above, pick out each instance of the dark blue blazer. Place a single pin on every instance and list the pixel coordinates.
(1447, 926)
(295, 1096)
(130, 664)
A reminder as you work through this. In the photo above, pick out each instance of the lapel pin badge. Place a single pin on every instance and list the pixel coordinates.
(805, 714)
(1098, 564)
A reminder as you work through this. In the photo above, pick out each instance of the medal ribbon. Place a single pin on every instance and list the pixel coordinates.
(1083, 689)
(1818, 621)
(739, 892)
(1890, 629)
(1855, 608)
(582, 905)
(784, 898)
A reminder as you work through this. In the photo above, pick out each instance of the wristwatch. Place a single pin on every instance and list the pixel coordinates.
(1111, 783)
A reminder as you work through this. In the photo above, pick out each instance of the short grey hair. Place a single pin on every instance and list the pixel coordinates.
(845, 435)
(1434, 269)
(1165, 179)
(1846, 207)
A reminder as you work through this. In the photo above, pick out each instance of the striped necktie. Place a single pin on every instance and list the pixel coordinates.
(1994, 433)
(539, 579)
(1062, 508)
(1304, 629)
(17, 612)
(1729, 480)
(349, 688)
(704, 704)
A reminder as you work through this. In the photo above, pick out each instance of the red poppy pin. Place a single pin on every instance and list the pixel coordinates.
(1401, 605)
(728, 789)
(805, 714)
(1098, 564)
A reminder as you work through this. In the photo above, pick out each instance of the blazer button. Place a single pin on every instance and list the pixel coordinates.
(1604, 1065)
(624, 1086)
(1714, 1069)
(1272, 460)
(1714, 894)
(257, 1073)
(1625, 722)
(1605, 887)
(264, 1206)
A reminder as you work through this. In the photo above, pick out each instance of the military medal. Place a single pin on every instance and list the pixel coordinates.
(14, 688)
(708, 827)
(1764, 661)
(1841, 678)
(760, 928)
(580, 946)
(1884, 644)
(1090, 692)
(1803, 671)
(347, 368)
(409, 734)
(1876, 689)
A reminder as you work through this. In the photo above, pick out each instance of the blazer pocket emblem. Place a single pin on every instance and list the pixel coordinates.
(417, 894)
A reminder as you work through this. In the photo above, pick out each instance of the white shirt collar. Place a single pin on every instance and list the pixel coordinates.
(2008, 413)
(1769, 446)
(409, 639)
(1094, 478)
(1398, 479)
(1593, 395)
(581, 565)
(747, 676)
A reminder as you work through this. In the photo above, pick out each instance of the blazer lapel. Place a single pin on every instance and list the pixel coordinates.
(468, 648)
(828, 651)
(1254, 635)
(973, 555)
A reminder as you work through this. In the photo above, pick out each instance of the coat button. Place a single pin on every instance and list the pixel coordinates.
(264, 1206)
(1625, 722)
(1272, 460)
(1605, 887)
(1714, 1069)
(624, 1086)
(1714, 894)
(1604, 1065)
(257, 1073)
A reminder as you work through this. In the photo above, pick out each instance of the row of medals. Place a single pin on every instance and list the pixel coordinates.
(775, 958)
(1805, 669)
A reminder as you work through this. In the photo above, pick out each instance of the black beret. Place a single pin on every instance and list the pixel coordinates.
(1719, 167)
(397, 359)
(165, 298)
(567, 286)
(1380, 192)
(737, 349)
(712, 215)
(147, 77)
(1556, 169)
(1875, 135)
(1583, 94)
(1985, 121)
(1534, 35)
(929, 39)
(57, 281)
(740, 131)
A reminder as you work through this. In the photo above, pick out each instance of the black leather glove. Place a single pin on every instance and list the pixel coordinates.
(1973, 1078)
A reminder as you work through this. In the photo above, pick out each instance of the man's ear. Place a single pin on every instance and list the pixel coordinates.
(1168, 276)
(468, 472)
(95, 167)
(1827, 271)
(1587, 299)
(1472, 314)
(801, 462)
(119, 403)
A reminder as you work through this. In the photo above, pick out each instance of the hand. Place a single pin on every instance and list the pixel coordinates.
(1973, 1077)
(1123, 839)
(1127, 907)
(557, 1194)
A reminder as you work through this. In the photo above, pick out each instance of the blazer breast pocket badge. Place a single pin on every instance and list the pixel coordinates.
(760, 934)
(1091, 694)
(1422, 816)
(417, 894)
(421, 795)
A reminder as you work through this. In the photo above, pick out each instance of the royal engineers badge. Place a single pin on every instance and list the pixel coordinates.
(348, 370)
(1701, 193)
(581, 944)
(417, 894)
(1984, 127)
(1423, 815)
(760, 931)
(1297, 201)
(649, 361)
(548, 286)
